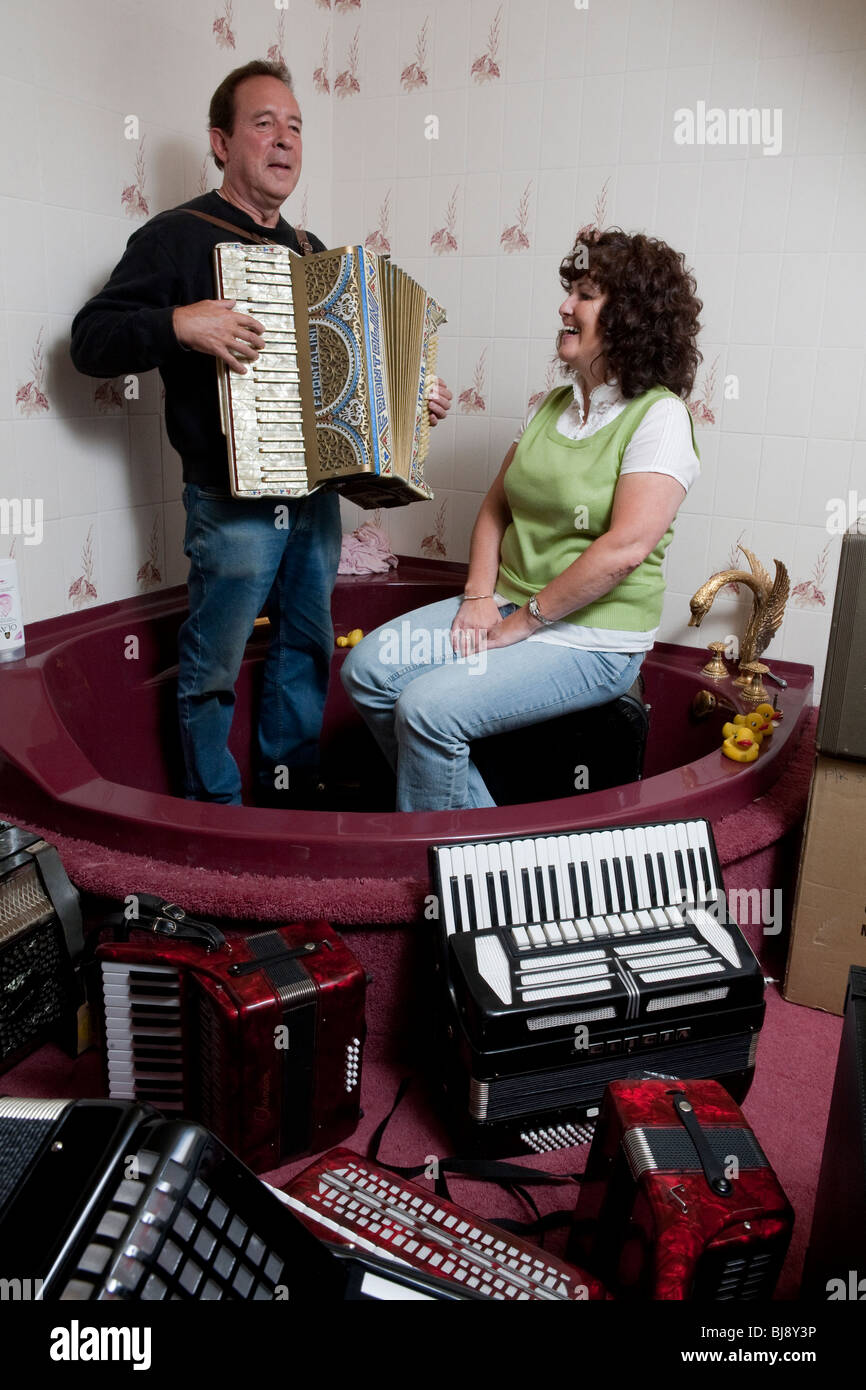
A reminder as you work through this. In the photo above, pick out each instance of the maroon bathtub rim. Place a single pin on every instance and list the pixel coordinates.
(46, 778)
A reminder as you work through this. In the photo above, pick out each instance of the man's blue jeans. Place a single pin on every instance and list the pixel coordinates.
(243, 555)
(424, 706)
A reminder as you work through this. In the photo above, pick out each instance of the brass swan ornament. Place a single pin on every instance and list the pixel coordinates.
(768, 608)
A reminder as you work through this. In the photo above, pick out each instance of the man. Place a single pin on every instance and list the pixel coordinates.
(156, 311)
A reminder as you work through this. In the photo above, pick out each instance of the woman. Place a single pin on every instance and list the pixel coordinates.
(564, 591)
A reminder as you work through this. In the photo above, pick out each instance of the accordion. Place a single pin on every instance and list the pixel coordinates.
(337, 397)
(573, 960)
(679, 1197)
(351, 1201)
(41, 941)
(106, 1200)
(258, 1037)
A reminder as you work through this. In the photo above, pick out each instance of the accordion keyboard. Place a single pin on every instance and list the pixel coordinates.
(579, 887)
(375, 1210)
(143, 1033)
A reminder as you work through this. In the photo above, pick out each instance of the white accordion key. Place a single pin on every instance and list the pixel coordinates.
(714, 934)
(493, 968)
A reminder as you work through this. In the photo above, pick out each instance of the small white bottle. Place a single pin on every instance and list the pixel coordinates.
(11, 621)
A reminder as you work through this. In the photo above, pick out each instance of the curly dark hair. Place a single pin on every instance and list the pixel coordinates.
(650, 319)
(221, 113)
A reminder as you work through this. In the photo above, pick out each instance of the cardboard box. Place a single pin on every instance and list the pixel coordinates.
(828, 933)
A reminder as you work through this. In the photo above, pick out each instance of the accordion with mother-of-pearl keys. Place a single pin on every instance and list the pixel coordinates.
(337, 397)
(574, 960)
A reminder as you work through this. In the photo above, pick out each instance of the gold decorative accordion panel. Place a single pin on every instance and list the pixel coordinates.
(337, 397)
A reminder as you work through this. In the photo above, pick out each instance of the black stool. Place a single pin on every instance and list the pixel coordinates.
(585, 751)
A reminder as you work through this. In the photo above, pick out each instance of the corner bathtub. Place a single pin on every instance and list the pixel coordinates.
(89, 747)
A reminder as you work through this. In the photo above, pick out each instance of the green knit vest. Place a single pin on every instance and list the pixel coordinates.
(560, 492)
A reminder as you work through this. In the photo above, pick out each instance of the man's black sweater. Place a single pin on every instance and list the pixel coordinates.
(127, 327)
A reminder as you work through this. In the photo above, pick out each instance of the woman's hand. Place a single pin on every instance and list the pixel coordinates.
(470, 627)
(516, 628)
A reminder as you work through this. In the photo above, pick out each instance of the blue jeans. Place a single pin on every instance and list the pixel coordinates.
(243, 555)
(424, 706)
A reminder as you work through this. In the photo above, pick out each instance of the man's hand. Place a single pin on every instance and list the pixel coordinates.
(516, 628)
(438, 401)
(215, 327)
(470, 627)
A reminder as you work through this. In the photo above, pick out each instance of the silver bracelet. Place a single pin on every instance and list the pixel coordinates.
(536, 613)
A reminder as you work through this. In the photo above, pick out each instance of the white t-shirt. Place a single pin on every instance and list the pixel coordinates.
(662, 443)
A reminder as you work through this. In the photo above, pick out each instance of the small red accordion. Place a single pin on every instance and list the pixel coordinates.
(678, 1199)
(348, 1200)
(256, 1036)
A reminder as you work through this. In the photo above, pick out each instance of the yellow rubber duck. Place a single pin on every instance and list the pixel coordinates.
(352, 638)
(771, 715)
(740, 743)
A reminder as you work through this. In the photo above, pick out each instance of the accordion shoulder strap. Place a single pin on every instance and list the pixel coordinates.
(303, 239)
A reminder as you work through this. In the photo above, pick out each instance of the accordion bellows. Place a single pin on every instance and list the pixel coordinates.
(337, 398)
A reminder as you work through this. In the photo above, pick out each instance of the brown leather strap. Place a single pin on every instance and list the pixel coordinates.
(230, 227)
(303, 239)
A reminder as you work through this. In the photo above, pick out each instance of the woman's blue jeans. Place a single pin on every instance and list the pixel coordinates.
(424, 706)
(243, 555)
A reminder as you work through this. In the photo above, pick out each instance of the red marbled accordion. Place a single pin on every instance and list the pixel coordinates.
(348, 1200)
(259, 1038)
(648, 1221)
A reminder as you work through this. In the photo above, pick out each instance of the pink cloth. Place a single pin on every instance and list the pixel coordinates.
(366, 551)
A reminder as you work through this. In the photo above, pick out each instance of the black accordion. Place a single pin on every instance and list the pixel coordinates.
(258, 1036)
(109, 1201)
(41, 942)
(575, 960)
(104, 1200)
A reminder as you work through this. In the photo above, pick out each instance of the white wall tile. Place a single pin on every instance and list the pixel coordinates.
(644, 115)
(737, 32)
(755, 297)
(792, 381)
(825, 99)
(508, 378)
(828, 464)
(600, 119)
(737, 473)
(448, 152)
(837, 383)
(780, 480)
(677, 207)
(812, 207)
(687, 555)
(765, 205)
(802, 299)
(606, 48)
(481, 215)
(692, 32)
(686, 86)
(527, 39)
(567, 39)
(560, 124)
(845, 303)
(841, 25)
(478, 296)
(40, 571)
(635, 197)
(721, 206)
(785, 29)
(851, 208)
(522, 126)
(513, 298)
(23, 262)
(751, 366)
(716, 279)
(485, 126)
